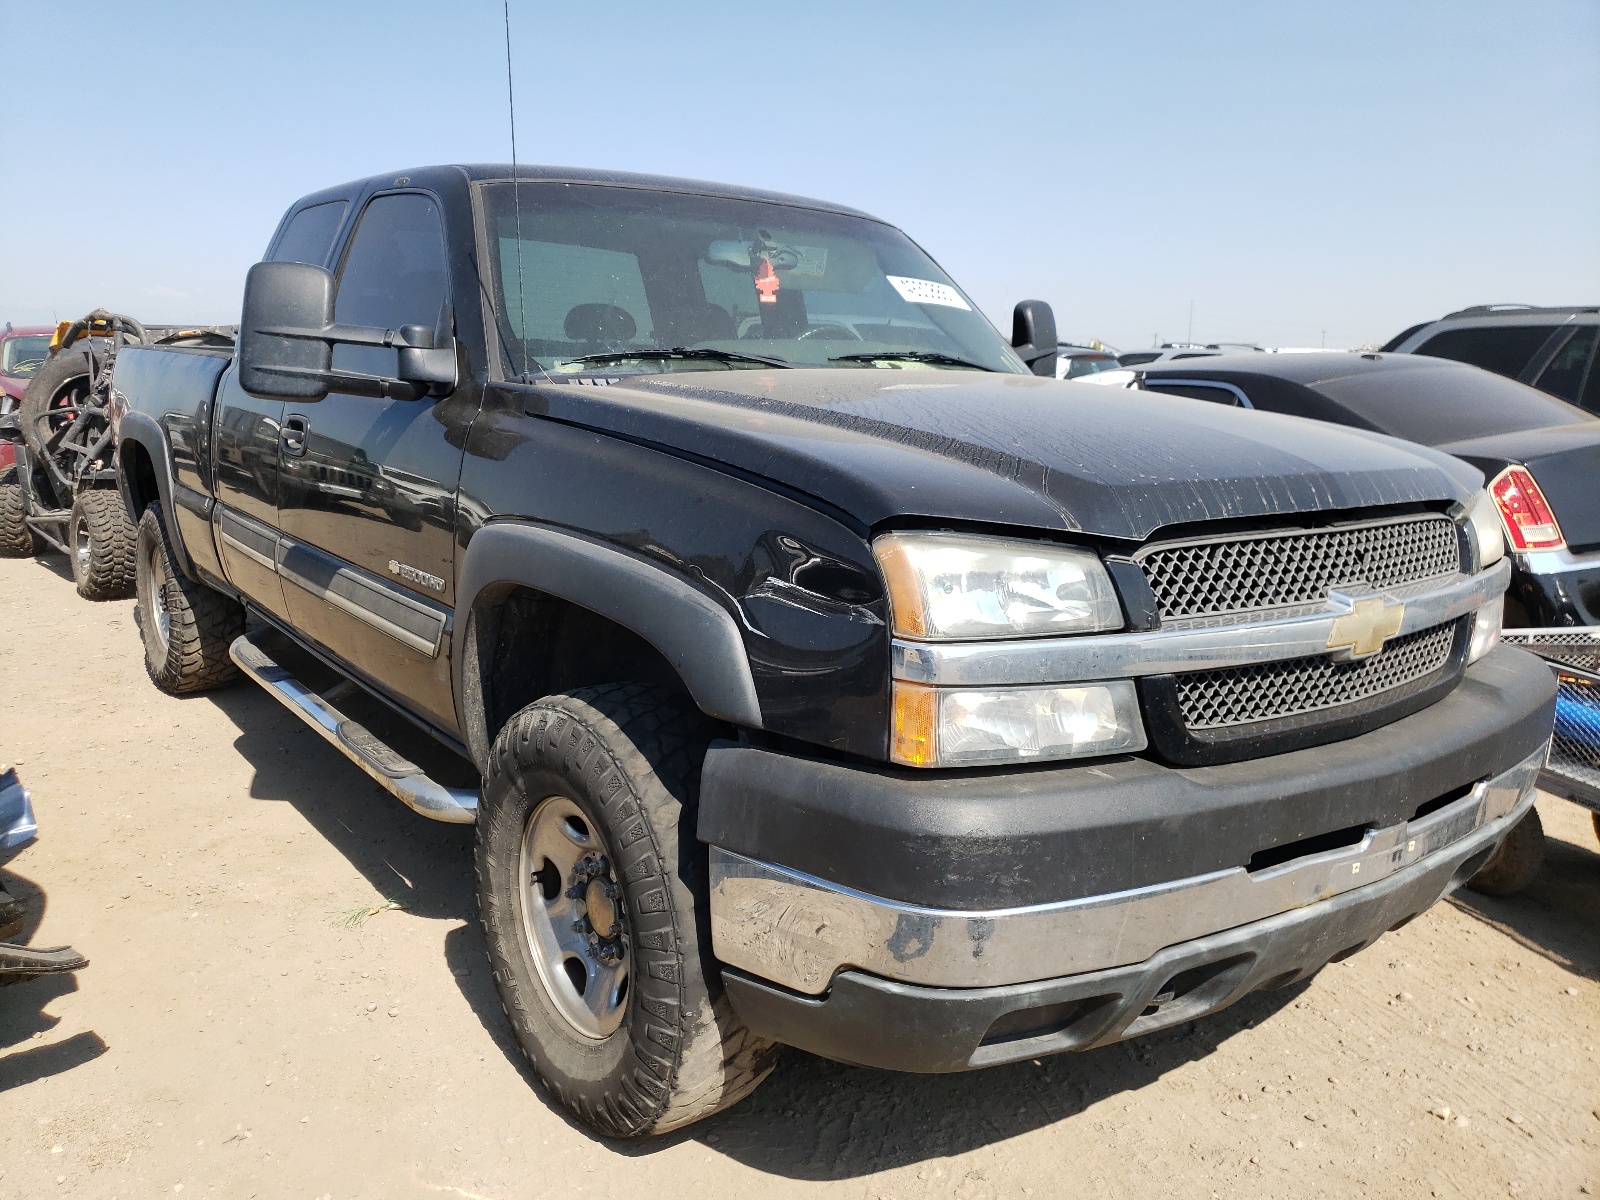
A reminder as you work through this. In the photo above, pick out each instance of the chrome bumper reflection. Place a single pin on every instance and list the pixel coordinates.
(797, 930)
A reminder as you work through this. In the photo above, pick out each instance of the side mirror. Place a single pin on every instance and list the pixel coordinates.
(285, 296)
(1033, 336)
(287, 334)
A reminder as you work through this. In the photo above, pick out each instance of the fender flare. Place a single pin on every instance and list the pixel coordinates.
(142, 430)
(695, 634)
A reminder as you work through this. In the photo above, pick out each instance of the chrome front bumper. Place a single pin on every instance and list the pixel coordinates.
(797, 931)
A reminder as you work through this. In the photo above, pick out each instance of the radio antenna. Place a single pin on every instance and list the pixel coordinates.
(516, 195)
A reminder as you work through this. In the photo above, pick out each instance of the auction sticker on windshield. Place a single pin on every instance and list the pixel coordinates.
(926, 291)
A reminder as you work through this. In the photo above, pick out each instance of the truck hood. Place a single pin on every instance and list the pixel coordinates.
(1009, 449)
(1565, 461)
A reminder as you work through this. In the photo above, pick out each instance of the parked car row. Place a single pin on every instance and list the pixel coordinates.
(837, 674)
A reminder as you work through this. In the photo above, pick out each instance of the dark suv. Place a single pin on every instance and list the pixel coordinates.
(1551, 348)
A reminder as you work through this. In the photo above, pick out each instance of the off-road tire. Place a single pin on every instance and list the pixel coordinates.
(16, 539)
(105, 572)
(201, 622)
(629, 756)
(53, 374)
(1516, 863)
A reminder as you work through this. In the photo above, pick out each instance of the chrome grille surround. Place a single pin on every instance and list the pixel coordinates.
(1245, 572)
(1235, 696)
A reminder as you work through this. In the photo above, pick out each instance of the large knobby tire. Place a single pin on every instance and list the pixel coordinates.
(16, 539)
(618, 769)
(1516, 863)
(186, 627)
(101, 540)
(59, 376)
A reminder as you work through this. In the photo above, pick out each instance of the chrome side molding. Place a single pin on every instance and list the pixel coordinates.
(401, 778)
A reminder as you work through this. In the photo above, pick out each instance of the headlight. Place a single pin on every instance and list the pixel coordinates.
(1483, 522)
(956, 727)
(1486, 629)
(951, 587)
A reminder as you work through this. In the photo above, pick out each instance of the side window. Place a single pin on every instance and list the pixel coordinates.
(309, 235)
(1564, 376)
(1504, 350)
(1591, 389)
(1196, 391)
(394, 274)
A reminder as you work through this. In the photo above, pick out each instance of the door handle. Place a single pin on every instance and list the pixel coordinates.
(292, 436)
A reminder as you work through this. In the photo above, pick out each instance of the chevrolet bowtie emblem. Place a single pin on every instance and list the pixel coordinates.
(1363, 630)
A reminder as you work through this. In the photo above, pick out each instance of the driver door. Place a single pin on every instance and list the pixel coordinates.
(367, 495)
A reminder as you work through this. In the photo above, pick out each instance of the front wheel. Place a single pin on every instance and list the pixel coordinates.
(592, 891)
(186, 627)
(1516, 863)
(101, 538)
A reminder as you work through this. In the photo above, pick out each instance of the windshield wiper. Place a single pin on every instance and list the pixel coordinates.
(705, 352)
(924, 356)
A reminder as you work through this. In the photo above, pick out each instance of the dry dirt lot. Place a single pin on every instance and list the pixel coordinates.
(231, 1038)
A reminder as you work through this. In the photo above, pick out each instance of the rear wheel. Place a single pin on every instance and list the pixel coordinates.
(16, 539)
(593, 895)
(1516, 863)
(101, 538)
(186, 627)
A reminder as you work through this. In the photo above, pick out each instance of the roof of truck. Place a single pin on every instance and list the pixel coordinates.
(534, 173)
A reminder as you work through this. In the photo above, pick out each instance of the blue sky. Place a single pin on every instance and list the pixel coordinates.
(1297, 171)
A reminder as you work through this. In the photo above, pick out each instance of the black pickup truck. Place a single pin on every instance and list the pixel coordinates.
(834, 676)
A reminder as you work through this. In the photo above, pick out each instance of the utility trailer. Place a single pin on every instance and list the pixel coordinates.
(58, 479)
(1573, 769)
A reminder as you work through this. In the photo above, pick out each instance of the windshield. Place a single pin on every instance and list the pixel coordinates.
(1088, 364)
(22, 355)
(597, 273)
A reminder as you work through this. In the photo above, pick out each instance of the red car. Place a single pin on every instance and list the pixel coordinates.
(22, 349)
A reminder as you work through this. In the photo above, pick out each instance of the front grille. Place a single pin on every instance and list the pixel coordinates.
(1233, 696)
(1268, 570)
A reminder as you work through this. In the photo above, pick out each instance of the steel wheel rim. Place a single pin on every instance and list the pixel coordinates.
(565, 875)
(153, 597)
(81, 550)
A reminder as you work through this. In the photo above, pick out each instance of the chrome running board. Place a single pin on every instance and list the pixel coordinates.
(395, 774)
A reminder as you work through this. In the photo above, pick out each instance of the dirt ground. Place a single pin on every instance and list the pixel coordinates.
(233, 1036)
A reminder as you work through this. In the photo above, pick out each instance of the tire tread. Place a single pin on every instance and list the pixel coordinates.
(639, 748)
(110, 572)
(204, 623)
(16, 539)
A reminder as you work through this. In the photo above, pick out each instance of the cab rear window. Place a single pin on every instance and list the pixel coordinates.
(308, 236)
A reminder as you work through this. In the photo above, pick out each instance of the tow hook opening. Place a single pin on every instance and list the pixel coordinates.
(1276, 856)
(1440, 801)
(1191, 993)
